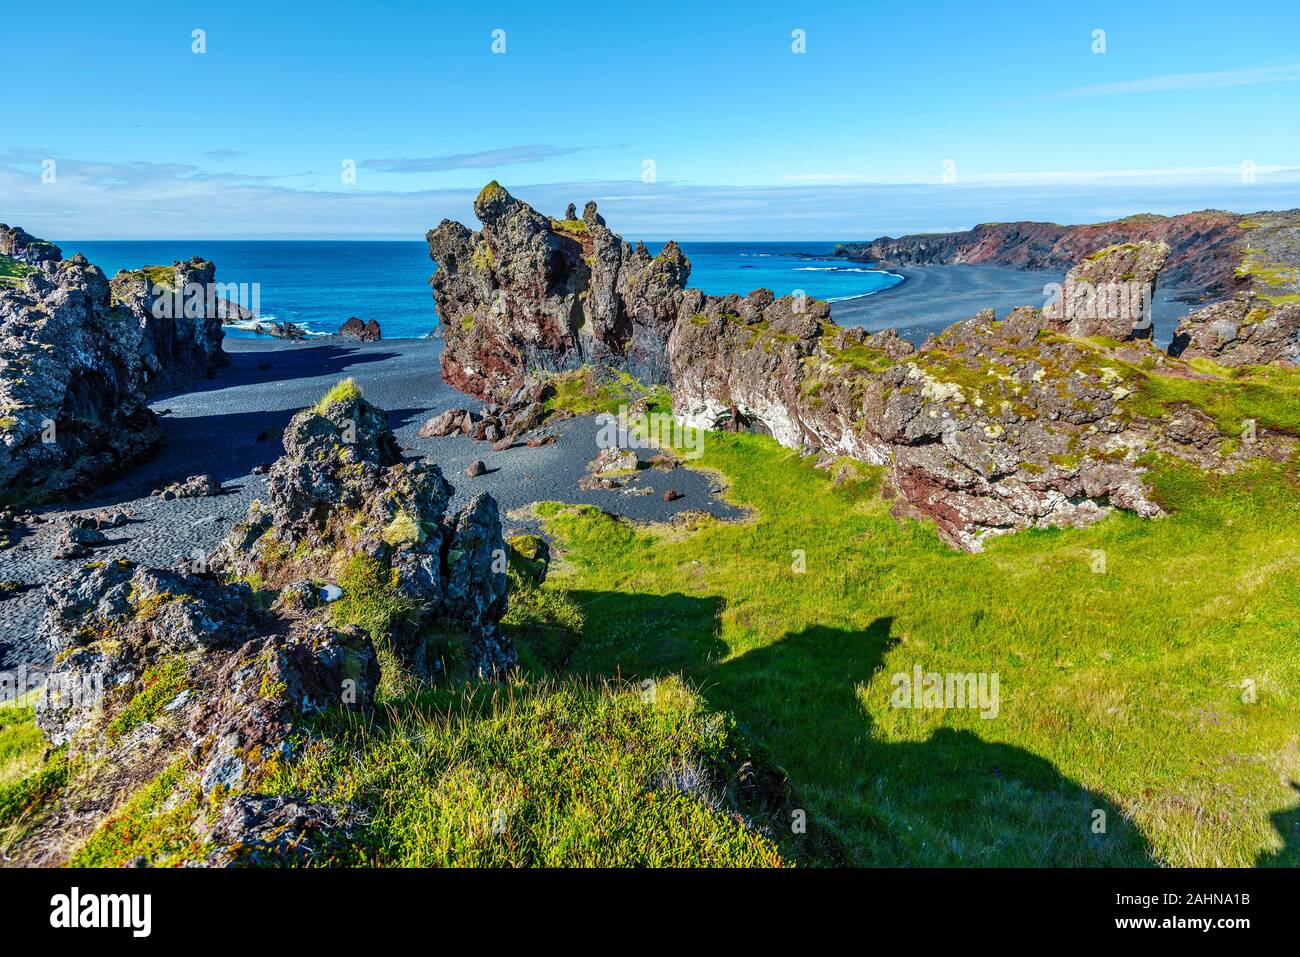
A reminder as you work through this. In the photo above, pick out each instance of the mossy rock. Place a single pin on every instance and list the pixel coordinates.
(530, 556)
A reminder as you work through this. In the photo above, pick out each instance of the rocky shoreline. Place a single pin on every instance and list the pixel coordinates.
(994, 425)
(241, 413)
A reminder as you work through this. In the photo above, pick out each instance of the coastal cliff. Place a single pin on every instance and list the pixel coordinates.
(1046, 418)
(1207, 248)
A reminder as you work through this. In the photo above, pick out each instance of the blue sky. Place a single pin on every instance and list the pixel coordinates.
(748, 138)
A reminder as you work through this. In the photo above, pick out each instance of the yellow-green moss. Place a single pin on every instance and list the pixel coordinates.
(341, 393)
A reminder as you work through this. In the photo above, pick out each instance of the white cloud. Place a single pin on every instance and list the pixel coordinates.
(484, 159)
(1193, 81)
(141, 200)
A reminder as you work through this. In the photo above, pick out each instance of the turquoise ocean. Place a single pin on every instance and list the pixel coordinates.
(319, 284)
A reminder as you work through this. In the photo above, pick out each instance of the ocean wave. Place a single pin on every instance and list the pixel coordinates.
(837, 269)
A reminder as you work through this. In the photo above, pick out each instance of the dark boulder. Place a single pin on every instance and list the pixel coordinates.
(360, 331)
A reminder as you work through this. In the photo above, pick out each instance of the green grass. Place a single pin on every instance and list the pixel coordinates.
(31, 781)
(545, 623)
(1120, 692)
(1270, 395)
(160, 684)
(154, 823)
(541, 774)
(588, 392)
(341, 393)
(13, 273)
(372, 600)
(21, 743)
(573, 227)
(164, 276)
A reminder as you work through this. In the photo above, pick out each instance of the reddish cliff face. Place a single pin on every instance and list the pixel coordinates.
(527, 294)
(1205, 248)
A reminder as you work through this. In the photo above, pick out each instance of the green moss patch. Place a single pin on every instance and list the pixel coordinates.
(589, 391)
(341, 393)
(161, 682)
(555, 773)
(13, 273)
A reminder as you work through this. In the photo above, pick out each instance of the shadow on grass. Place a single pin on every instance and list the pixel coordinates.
(1288, 828)
(951, 799)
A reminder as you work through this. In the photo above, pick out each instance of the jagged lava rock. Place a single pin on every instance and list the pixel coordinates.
(179, 315)
(156, 669)
(1110, 293)
(341, 493)
(990, 427)
(72, 401)
(1244, 330)
(528, 295)
(986, 429)
(360, 331)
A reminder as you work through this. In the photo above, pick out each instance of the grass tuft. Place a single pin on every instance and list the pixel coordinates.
(344, 392)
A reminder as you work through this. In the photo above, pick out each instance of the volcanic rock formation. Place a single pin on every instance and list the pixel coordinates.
(179, 318)
(192, 678)
(78, 355)
(1040, 419)
(529, 294)
(72, 403)
(342, 503)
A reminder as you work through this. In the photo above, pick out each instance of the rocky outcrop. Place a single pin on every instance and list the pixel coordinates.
(1109, 293)
(528, 295)
(79, 354)
(203, 677)
(1242, 331)
(179, 315)
(360, 331)
(1206, 247)
(165, 675)
(985, 429)
(72, 380)
(1042, 419)
(343, 506)
(21, 246)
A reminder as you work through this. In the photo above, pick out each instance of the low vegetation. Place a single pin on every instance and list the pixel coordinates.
(588, 391)
(673, 676)
(541, 774)
(13, 273)
(340, 393)
(1144, 665)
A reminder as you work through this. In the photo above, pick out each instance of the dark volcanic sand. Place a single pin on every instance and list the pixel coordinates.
(934, 297)
(215, 427)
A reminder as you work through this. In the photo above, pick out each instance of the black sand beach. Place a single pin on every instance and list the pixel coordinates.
(934, 297)
(216, 427)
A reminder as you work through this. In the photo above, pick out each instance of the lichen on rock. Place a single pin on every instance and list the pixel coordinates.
(344, 506)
